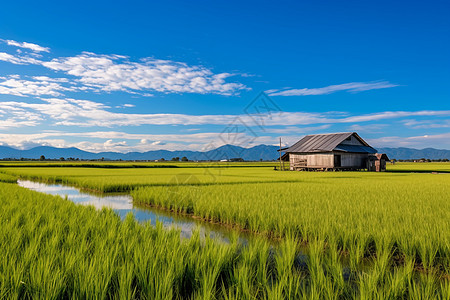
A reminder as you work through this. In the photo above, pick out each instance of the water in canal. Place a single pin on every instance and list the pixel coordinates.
(122, 204)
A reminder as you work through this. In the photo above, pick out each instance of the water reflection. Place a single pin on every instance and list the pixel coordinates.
(123, 204)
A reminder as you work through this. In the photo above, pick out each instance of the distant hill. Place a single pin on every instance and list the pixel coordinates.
(264, 152)
(409, 153)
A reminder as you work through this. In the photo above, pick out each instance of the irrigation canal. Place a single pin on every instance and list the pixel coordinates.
(122, 204)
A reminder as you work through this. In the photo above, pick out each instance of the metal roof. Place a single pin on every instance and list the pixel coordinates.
(329, 142)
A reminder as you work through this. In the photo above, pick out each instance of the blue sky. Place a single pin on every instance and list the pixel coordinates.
(140, 75)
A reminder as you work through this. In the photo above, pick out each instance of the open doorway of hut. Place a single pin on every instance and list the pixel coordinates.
(337, 161)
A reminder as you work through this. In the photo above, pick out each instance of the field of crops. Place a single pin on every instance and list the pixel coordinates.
(53, 249)
(420, 167)
(126, 179)
(343, 234)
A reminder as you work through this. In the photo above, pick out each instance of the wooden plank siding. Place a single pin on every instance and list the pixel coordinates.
(353, 160)
(326, 160)
(351, 140)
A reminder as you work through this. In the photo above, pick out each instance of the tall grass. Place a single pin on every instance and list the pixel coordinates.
(7, 178)
(344, 235)
(420, 167)
(123, 177)
(386, 221)
(126, 179)
(53, 249)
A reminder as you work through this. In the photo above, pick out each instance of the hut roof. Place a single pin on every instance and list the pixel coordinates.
(382, 156)
(329, 142)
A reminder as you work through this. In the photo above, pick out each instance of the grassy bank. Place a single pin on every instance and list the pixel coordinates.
(126, 179)
(53, 249)
(7, 178)
(404, 216)
(345, 235)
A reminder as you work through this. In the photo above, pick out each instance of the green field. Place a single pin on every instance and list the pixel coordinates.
(357, 235)
(420, 167)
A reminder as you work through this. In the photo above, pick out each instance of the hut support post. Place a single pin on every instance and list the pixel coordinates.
(281, 163)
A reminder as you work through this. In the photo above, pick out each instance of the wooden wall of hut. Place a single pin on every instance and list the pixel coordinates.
(353, 160)
(311, 160)
(328, 160)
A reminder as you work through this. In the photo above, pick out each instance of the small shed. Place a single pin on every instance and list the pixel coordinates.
(377, 162)
(333, 151)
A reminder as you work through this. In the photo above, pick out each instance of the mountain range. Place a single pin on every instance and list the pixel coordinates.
(260, 152)
(263, 152)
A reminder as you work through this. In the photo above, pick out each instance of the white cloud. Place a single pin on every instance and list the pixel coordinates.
(85, 113)
(121, 141)
(116, 73)
(152, 143)
(72, 112)
(14, 117)
(110, 145)
(395, 114)
(18, 60)
(422, 141)
(125, 106)
(50, 79)
(29, 46)
(16, 122)
(426, 124)
(349, 87)
(13, 85)
(297, 130)
(301, 118)
(372, 128)
(109, 73)
(126, 142)
(100, 147)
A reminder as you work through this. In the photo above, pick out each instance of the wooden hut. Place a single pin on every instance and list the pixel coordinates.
(377, 162)
(334, 151)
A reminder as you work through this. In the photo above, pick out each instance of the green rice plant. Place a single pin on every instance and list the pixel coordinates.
(52, 248)
(7, 178)
(361, 235)
(443, 167)
(376, 230)
(126, 179)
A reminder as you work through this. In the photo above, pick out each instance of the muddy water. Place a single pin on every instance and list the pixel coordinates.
(123, 204)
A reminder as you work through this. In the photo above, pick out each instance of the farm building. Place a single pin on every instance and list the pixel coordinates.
(334, 151)
(377, 162)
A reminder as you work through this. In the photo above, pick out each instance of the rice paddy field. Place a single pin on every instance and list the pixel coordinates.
(338, 235)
